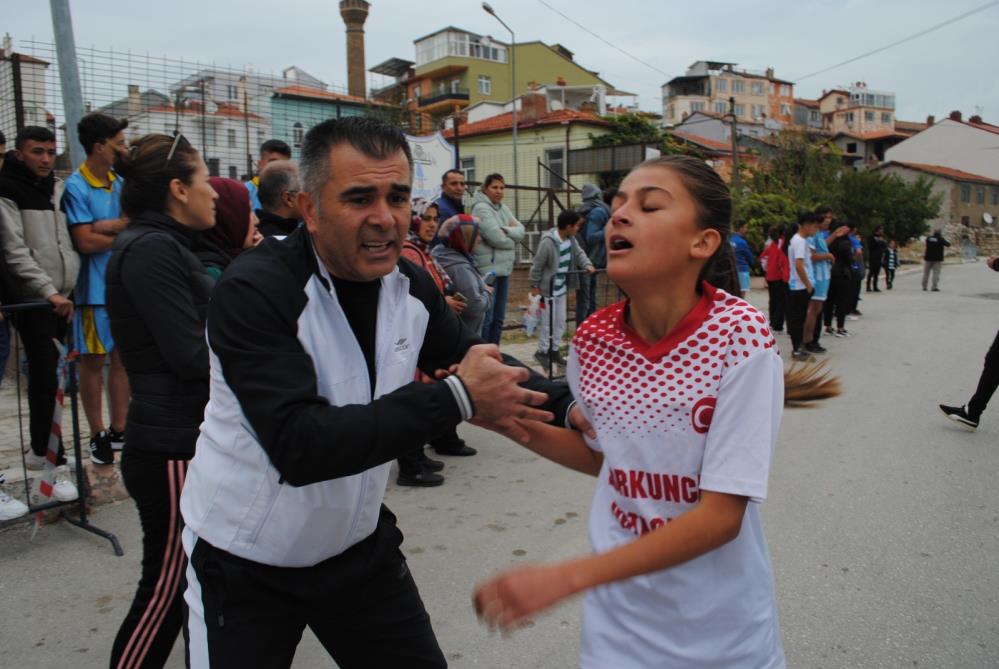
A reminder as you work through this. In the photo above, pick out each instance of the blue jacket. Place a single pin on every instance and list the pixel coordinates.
(744, 257)
(446, 207)
(596, 214)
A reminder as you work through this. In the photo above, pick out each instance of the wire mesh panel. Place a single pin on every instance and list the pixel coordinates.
(223, 111)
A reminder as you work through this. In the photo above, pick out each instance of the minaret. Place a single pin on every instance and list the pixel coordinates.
(355, 13)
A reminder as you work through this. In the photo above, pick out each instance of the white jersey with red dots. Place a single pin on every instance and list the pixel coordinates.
(698, 410)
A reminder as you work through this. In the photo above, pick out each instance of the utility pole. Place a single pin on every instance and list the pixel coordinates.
(736, 185)
(69, 76)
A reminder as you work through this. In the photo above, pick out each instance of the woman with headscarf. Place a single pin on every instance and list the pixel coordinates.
(235, 227)
(459, 237)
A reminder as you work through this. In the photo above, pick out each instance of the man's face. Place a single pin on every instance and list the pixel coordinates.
(361, 219)
(38, 156)
(111, 148)
(827, 220)
(454, 187)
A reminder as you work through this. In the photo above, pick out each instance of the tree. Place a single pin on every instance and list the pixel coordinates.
(872, 198)
(806, 171)
(761, 211)
(632, 129)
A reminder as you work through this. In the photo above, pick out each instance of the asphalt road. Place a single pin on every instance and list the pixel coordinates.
(882, 518)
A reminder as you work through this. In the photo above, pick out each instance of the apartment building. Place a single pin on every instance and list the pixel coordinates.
(857, 109)
(708, 85)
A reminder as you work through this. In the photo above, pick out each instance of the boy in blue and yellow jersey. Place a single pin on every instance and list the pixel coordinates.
(272, 149)
(91, 203)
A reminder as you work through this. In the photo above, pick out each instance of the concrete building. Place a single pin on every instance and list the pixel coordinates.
(295, 109)
(970, 206)
(807, 114)
(708, 85)
(456, 68)
(971, 146)
(857, 109)
(33, 103)
(718, 127)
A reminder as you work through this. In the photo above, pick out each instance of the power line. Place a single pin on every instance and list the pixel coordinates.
(613, 46)
(901, 41)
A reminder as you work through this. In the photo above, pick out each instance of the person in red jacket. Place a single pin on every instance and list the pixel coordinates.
(778, 273)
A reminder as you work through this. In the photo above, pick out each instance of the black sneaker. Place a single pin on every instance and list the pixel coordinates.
(556, 357)
(101, 452)
(117, 439)
(452, 446)
(960, 416)
(802, 355)
(541, 358)
(812, 347)
(420, 479)
(430, 465)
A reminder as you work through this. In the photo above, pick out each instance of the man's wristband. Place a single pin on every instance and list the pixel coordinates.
(461, 396)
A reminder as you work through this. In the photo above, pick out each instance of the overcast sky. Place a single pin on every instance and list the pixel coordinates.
(953, 68)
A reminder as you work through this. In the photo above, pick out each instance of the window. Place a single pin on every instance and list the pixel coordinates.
(849, 118)
(230, 136)
(555, 160)
(886, 117)
(740, 110)
(785, 109)
(995, 196)
(979, 194)
(814, 116)
(965, 193)
(260, 137)
(851, 147)
(696, 106)
(213, 167)
(233, 172)
(297, 134)
(771, 88)
(455, 85)
(721, 85)
(485, 85)
(721, 107)
(758, 111)
(738, 86)
(232, 92)
(467, 167)
(756, 88)
(785, 90)
(869, 116)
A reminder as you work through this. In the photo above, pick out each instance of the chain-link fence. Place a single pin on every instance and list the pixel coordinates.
(225, 112)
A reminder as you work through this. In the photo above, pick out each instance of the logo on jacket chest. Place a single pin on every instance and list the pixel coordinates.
(401, 345)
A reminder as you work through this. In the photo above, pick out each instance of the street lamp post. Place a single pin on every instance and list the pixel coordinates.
(513, 95)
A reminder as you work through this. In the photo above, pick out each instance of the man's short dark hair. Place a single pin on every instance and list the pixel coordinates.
(97, 128)
(458, 172)
(806, 217)
(568, 218)
(276, 179)
(276, 146)
(34, 133)
(375, 139)
(3, 139)
(823, 209)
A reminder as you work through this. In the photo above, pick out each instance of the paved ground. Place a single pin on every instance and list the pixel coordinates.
(883, 520)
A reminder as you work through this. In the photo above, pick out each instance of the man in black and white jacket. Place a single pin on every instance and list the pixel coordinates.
(314, 344)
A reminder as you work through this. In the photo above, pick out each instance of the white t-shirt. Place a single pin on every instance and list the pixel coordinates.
(698, 410)
(798, 248)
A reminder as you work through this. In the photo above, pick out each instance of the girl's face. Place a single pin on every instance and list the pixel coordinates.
(653, 234)
(428, 226)
(494, 191)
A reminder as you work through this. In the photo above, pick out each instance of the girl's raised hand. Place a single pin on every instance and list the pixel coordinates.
(507, 600)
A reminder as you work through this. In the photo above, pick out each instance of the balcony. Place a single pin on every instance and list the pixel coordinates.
(443, 100)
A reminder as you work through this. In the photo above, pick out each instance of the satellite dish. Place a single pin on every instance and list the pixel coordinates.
(988, 218)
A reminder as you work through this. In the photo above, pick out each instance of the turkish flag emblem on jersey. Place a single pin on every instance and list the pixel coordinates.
(701, 414)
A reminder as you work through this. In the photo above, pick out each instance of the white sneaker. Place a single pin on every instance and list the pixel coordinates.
(64, 489)
(34, 462)
(10, 508)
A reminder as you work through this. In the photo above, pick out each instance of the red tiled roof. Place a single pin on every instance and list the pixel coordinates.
(910, 127)
(805, 102)
(319, 94)
(711, 144)
(195, 110)
(987, 127)
(504, 122)
(946, 172)
(25, 58)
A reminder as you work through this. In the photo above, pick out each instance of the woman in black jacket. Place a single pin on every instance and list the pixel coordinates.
(157, 295)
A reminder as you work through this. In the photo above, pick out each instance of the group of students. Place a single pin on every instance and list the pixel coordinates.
(815, 275)
(678, 393)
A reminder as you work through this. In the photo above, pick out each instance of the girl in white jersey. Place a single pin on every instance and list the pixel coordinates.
(683, 386)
